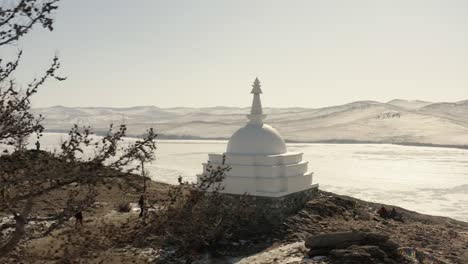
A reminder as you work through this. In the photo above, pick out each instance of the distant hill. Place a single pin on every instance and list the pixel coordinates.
(397, 121)
(409, 104)
(457, 111)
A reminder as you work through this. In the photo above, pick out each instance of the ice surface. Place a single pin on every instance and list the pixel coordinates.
(424, 179)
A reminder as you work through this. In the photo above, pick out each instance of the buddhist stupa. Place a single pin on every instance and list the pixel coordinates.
(260, 162)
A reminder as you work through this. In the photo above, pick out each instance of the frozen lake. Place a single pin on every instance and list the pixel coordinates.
(425, 179)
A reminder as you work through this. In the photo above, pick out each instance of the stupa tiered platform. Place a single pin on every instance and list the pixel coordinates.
(264, 175)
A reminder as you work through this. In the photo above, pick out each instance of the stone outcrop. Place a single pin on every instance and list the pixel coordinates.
(360, 255)
(343, 239)
(354, 247)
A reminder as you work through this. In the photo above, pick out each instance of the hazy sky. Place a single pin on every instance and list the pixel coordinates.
(207, 53)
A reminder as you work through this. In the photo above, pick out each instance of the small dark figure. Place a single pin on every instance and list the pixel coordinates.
(383, 212)
(395, 215)
(78, 219)
(141, 203)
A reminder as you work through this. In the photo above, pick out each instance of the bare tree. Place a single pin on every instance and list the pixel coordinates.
(194, 217)
(17, 18)
(26, 176)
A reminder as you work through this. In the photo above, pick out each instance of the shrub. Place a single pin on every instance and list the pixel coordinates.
(124, 207)
(197, 216)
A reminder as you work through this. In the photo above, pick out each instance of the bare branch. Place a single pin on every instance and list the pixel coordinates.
(17, 21)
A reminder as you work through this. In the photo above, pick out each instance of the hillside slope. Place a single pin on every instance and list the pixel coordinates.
(397, 121)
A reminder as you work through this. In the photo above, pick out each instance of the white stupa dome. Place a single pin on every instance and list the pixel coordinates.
(256, 139)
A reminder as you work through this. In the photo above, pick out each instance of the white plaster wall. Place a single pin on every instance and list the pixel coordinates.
(252, 186)
(270, 175)
(240, 186)
(282, 159)
(299, 183)
(276, 185)
(263, 171)
(267, 187)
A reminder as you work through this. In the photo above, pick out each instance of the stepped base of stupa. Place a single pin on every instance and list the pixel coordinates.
(270, 212)
(263, 175)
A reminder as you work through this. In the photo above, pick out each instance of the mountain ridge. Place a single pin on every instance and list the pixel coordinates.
(396, 121)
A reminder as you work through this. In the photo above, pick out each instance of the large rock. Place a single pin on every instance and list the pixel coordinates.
(360, 255)
(343, 239)
(354, 247)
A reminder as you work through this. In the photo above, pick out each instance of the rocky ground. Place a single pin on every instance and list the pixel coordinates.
(416, 239)
(431, 237)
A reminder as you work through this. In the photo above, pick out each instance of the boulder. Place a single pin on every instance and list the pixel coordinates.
(343, 239)
(360, 255)
(354, 247)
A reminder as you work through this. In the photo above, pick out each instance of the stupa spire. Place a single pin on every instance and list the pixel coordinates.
(256, 112)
